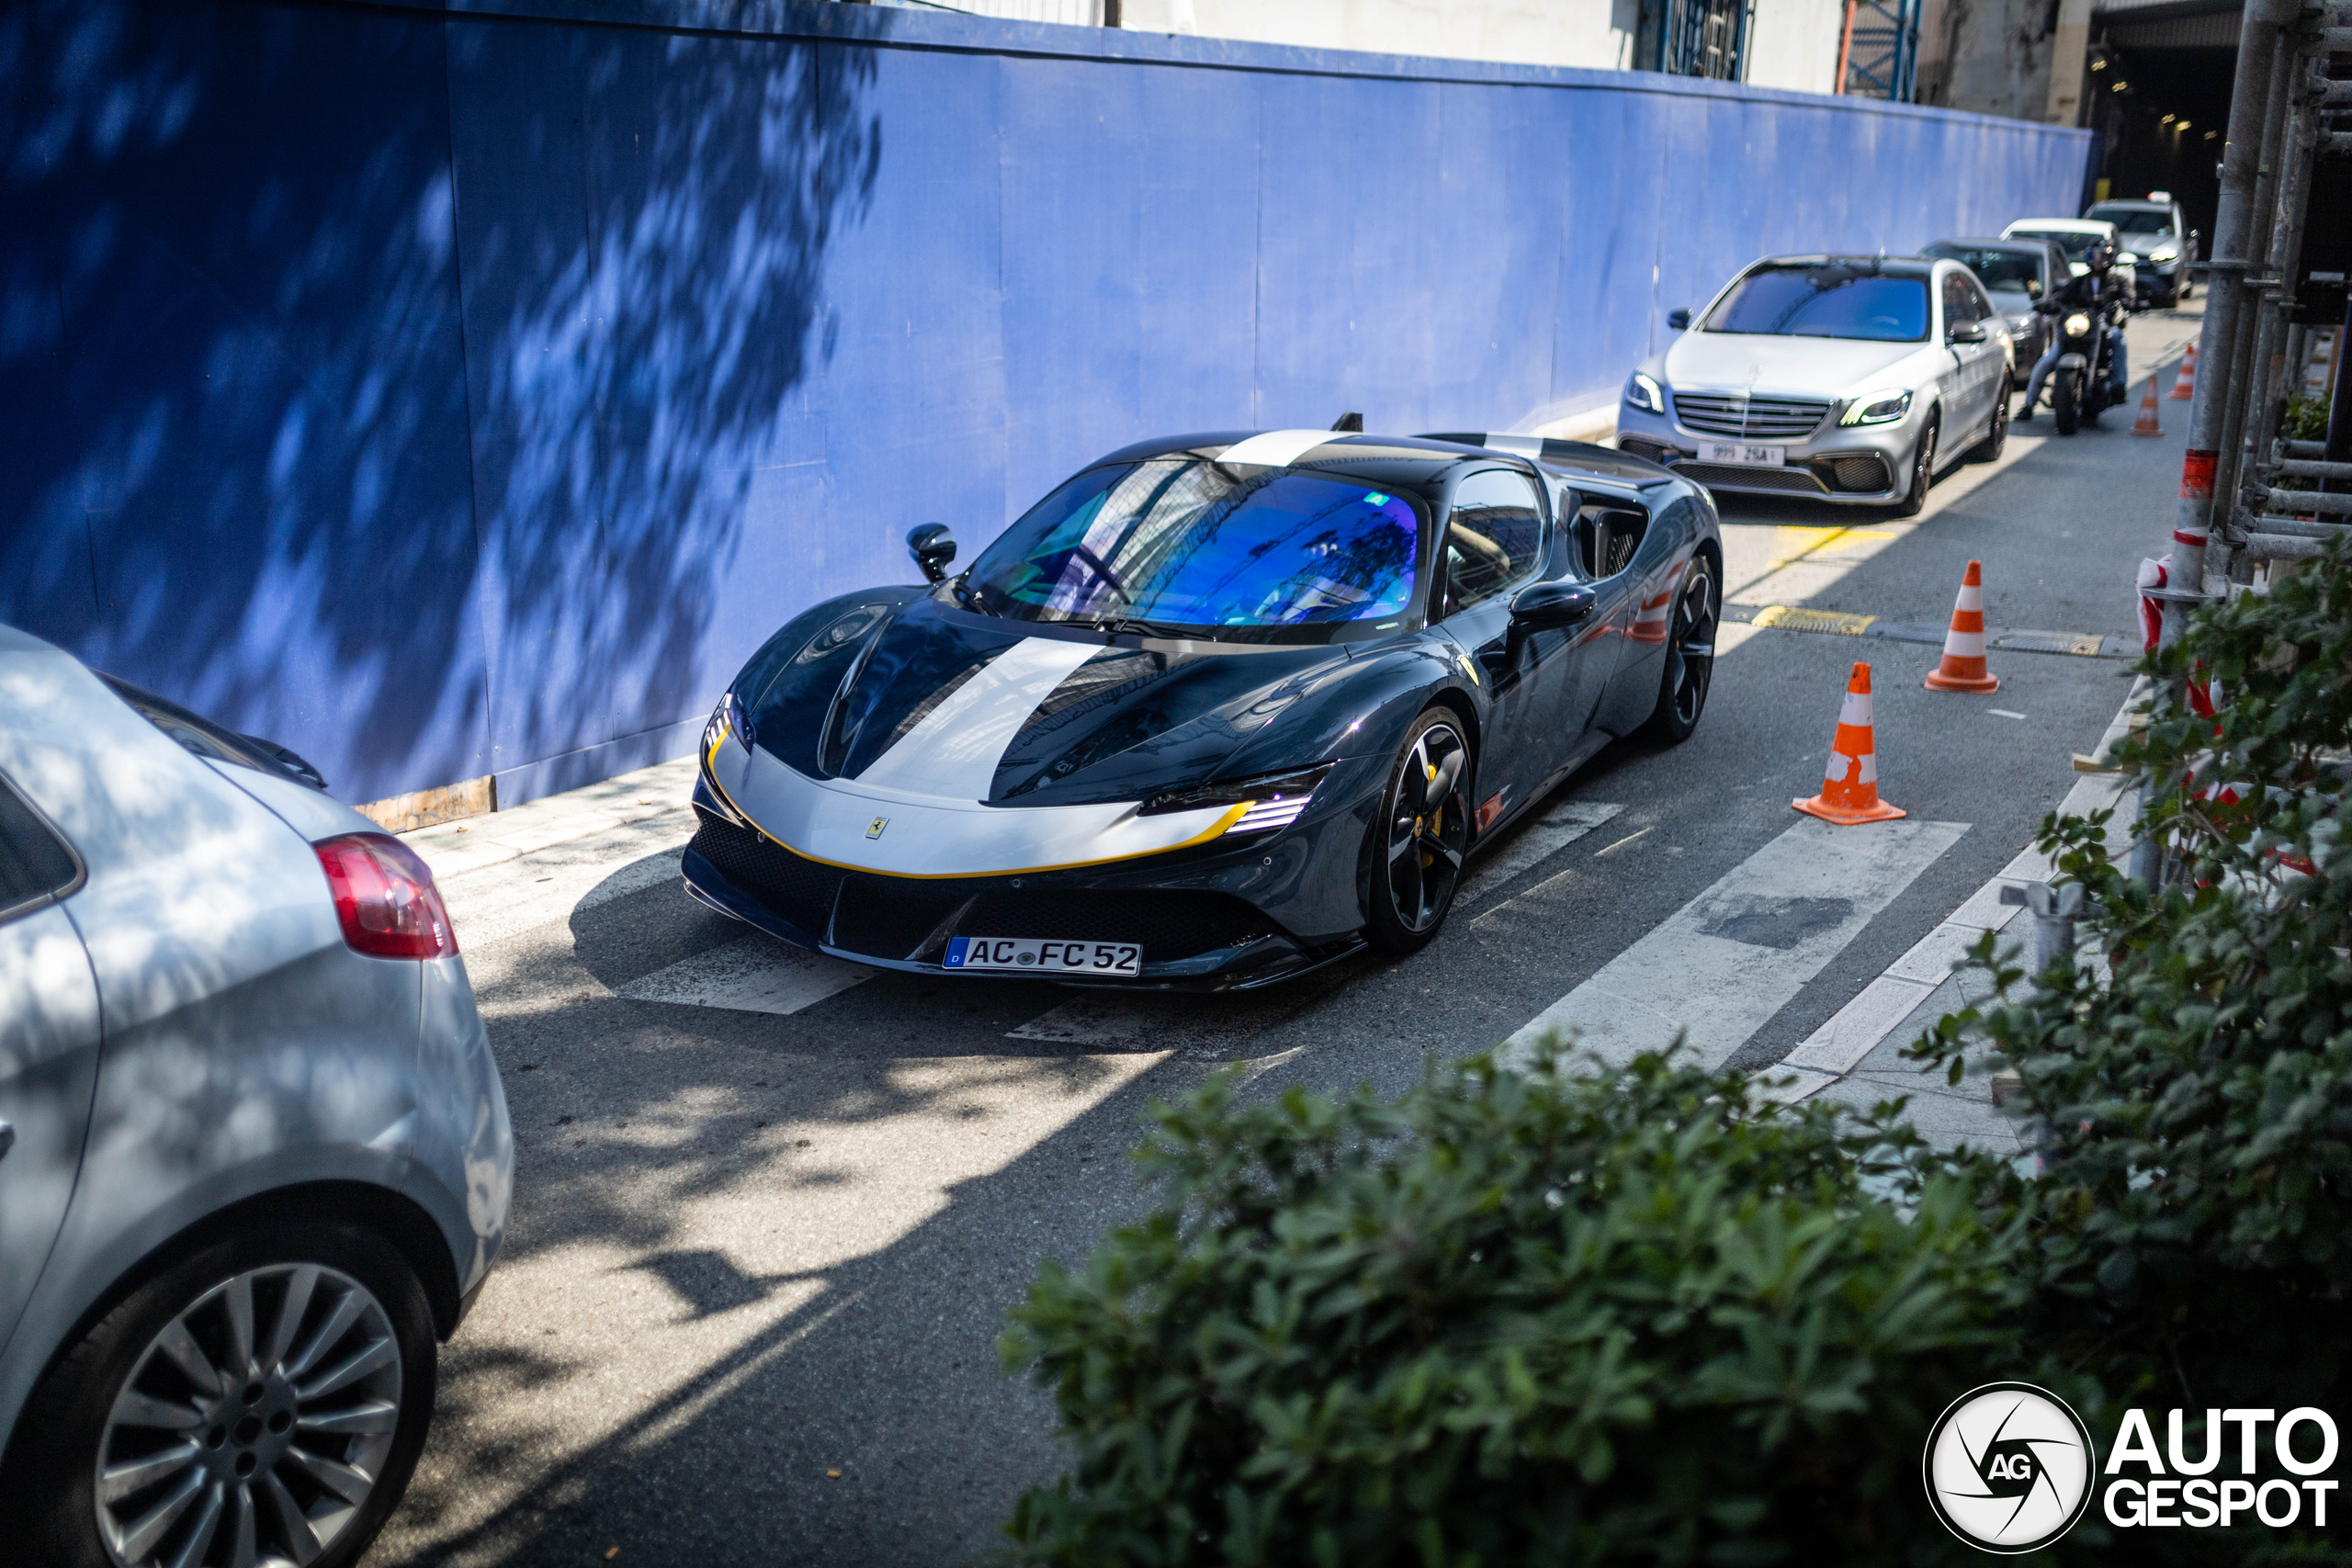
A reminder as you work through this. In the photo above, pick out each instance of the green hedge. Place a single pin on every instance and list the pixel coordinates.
(1518, 1315)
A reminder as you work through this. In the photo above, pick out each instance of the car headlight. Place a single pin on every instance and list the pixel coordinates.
(1878, 408)
(1274, 799)
(727, 717)
(2164, 253)
(2078, 326)
(1641, 392)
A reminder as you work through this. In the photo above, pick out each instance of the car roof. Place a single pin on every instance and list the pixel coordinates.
(2063, 225)
(1391, 457)
(1892, 266)
(2136, 203)
(1998, 241)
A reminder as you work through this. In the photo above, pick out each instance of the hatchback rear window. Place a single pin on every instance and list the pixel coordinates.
(36, 865)
(1812, 299)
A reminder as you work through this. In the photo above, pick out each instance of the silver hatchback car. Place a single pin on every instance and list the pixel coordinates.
(1844, 378)
(255, 1157)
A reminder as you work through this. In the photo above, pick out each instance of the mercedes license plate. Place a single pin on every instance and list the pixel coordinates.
(1038, 955)
(1743, 454)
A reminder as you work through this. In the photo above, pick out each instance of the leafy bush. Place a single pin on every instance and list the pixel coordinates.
(1524, 1314)
(2199, 1096)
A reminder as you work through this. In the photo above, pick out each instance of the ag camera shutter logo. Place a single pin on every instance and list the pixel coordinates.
(2009, 1468)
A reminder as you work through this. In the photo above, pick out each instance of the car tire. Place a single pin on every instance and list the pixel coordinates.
(1415, 849)
(262, 1439)
(1989, 450)
(2067, 399)
(1690, 655)
(1923, 469)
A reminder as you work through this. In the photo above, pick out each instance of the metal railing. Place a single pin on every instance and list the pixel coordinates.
(2233, 512)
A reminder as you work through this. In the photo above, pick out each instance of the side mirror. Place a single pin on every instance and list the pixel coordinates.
(933, 547)
(1544, 607)
(1677, 320)
(1964, 331)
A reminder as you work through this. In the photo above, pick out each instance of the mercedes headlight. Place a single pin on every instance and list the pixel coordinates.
(1641, 392)
(2078, 326)
(2164, 253)
(1878, 408)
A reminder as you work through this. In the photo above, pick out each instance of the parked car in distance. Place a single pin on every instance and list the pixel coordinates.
(2015, 273)
(2075, 236)
(255, 1157)
(1855, 380)
(2158, 233)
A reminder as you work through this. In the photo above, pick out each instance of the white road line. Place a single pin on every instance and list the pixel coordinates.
(1725, 963)
(1851, 1033)
(1544, 836)
(757, 974)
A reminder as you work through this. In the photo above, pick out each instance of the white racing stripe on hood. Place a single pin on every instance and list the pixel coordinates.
(953, 752)
(1279, 448)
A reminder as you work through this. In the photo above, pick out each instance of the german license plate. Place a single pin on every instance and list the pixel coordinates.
(1742, 453)
(1040, 956)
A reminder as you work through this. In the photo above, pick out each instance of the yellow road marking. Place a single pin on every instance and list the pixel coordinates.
(1795, 618)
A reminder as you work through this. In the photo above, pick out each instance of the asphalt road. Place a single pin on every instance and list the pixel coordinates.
(759, 1260)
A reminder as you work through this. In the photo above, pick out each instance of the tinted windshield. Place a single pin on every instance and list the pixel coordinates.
(2075, 242)
(1810, 300)
(2002, 271)
(1189, 545)
(2138, 223)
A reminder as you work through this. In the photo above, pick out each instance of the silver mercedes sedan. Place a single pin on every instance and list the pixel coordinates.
(255, 1157)
(1854, 379)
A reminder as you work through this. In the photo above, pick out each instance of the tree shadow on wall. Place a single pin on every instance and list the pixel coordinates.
(395, 384)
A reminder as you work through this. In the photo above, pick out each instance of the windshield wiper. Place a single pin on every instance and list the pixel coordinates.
(972, 599)
(1111, 626)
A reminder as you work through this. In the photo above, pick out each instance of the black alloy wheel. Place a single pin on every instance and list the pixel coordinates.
(1923, 470)
(1690, 655)
(2067, 399)
(1423, 832)
(1989, 450)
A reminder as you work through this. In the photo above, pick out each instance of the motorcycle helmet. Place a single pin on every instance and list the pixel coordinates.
(2100, 256)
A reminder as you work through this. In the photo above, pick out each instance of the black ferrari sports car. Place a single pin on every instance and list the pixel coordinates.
(1219, 710)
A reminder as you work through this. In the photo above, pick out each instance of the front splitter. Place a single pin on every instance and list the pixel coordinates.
(1265, 962)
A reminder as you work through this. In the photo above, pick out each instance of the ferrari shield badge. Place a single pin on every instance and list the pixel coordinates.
(879, 823)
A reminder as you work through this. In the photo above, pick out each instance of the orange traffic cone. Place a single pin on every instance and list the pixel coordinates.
(1962, 669)
(2148, 423)
(2184, 380)
(1850, 790)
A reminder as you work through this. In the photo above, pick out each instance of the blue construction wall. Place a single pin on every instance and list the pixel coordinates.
(456, 390)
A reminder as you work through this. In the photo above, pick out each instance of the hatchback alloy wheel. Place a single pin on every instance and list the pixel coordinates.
(254, 1426)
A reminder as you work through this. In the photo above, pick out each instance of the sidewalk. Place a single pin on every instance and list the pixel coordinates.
(453, 849)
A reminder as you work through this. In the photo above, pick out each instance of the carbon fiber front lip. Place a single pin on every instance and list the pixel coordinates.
(1246, 966)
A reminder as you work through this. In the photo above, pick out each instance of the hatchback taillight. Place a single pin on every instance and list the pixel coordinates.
(385, 898)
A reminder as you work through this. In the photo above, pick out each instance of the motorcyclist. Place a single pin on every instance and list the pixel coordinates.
(2094, 291)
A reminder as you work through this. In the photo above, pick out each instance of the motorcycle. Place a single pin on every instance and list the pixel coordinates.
(2081, 383)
